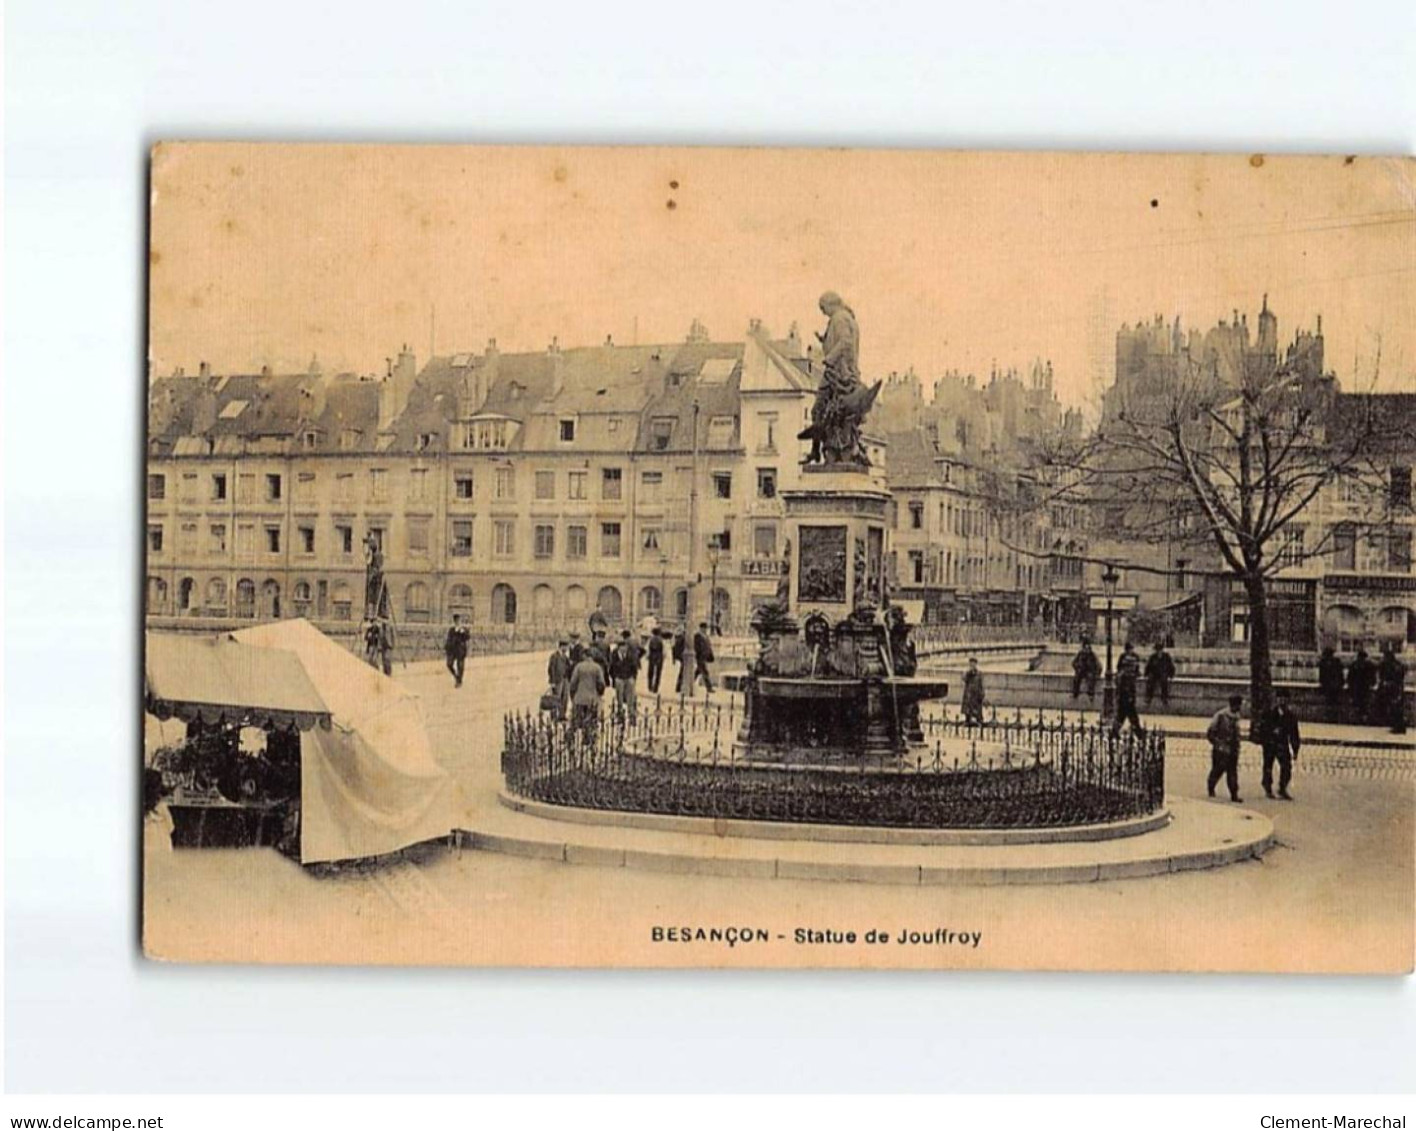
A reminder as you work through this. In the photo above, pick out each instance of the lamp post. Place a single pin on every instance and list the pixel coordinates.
(714, 553)
(1110, 578)
(663, 583)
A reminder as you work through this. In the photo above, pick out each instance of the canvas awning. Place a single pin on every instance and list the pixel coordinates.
(218, 680)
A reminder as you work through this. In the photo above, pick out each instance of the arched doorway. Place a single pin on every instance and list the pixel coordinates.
(459, 601)
(1343, 625)
(543, 604)
(303, 596)
(417, 604)
(503, 604)
(651, 601)
(156, 596)
(576, 602)
(681, 604)
(216, 595)
(270, 599)
(185, 588)
(611, 604)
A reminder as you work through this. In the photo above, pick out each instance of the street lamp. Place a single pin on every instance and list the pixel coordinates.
(663, 584)
(715, 551)
(1110, 578)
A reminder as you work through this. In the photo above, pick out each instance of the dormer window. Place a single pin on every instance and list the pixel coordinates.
(426, 440)
(720, 432)
(309, 439)
(486, 435)
(661, 431)
(349, 439)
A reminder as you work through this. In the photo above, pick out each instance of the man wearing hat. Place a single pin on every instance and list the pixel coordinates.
(455, 649)
(624, 674)
(558, 669)
(702, 656)
(656, 659)
(577, 649)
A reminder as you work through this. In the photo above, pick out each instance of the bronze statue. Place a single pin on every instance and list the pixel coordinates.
(842, 402)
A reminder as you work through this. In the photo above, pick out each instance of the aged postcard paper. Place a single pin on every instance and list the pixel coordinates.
(779, 558)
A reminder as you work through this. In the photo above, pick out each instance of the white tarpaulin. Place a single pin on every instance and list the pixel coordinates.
(369, 785)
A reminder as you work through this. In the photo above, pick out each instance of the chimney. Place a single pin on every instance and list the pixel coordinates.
(265, 370)
(485, 375)
(396, 387)
(203, 369)
(793, 341)
(557, 367)
(609, 342)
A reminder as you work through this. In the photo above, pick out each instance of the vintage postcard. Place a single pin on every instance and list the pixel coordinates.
(780, 558)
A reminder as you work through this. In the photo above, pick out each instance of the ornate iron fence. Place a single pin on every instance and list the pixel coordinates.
(684, 759)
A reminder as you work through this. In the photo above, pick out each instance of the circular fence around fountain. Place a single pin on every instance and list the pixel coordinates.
(681, 759)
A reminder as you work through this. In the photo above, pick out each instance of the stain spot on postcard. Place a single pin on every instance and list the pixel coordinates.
(672, 205)
(1257, 160)
(561, 174)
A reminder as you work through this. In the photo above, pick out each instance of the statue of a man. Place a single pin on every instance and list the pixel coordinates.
(841, 401)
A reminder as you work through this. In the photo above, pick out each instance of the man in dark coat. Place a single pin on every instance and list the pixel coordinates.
(1160, 670)
(558, 669)
(624, 674)
(1391, 705)
(973, 696)
(1278, 731)
(455, 649)
(587, 684)
(1085, 670)
(577, 649)
(1224, 737)
(703, 657)
(656, 660)
(1361, 677)
(1128, 677)
(1330, 681)
(599, 651)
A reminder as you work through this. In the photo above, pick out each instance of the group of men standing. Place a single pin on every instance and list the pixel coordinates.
(1375, 692)
(579, 674)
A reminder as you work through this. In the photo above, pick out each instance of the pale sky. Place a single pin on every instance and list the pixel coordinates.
(269, 254)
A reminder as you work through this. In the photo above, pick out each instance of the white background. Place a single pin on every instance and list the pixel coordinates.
(90, 85)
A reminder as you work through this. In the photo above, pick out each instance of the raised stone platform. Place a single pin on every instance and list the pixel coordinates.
(1197, 835)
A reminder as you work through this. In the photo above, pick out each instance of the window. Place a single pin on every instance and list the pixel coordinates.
(611, 483)
(418, 537)
(1399, 551)
(307, 539)
(155, 538)
(305, 487)
(722, 541)
(417, 603)
(764, 540)
(650, 536)
(723, 484)
(378, 484)
(1401, 486)
(661, 432)
(188, 492)
(157, 486)
(720, 431)
(767, 424)
(344, 487)
(418, 484)
(246, 540)
(216, 593)
(577, 542)
(486, 434)
(309, 439)
(462, 539)
(349, 439)
(1181, 577)
(462, 485)
(567, 431)
(766, 482)
(651, 486)
(1344, 547)
(301, 596)
(218, 487)
(272, 534)
(545, 545)
(916, 567)
(505, 483)
(187, 539)
(426, 440)
(272, 488)
(504, 538)
(545, 485)
(609, 539)
(216, 538)
(344, 538)
(575, 485)
(916, 516)
(612, 425)
(342, 598)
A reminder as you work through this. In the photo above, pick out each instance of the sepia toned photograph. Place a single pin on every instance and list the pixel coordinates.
(614, 557)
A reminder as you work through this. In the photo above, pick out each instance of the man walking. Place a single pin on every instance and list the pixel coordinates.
(1085, 670)
(703, 657)
(1361, 676)
(455, 649)
(973, 698)
(624, 672)
(587, 685)
(1278, 731)
(1160, 670)
(1128, 675)
(1223, 735)
(558, 669)
(1330, 681)
(656, 660)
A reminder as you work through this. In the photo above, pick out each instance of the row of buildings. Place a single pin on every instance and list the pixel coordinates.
(534, 487)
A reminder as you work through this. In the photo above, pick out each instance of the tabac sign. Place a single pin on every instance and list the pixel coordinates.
(761, 567)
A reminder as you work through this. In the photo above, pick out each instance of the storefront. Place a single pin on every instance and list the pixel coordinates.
(1368, 610)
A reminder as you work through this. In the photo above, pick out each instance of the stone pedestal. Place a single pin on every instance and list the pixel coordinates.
(836, 524)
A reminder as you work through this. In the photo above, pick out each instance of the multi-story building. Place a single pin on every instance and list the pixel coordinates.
(506, 487)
